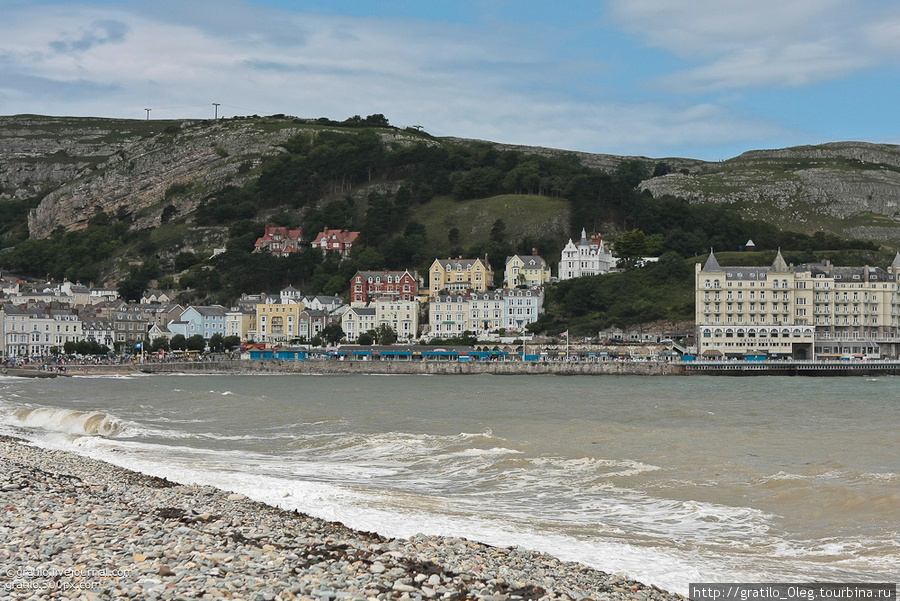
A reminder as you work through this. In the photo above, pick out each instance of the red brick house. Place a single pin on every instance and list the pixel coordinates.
(366, 286)
(280, 241)
(336, 240)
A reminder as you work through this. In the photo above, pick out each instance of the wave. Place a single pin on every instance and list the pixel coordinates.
(69, 421)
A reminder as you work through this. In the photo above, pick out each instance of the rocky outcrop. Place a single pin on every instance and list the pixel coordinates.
(819, 187)
(80, 167)
(137, 175)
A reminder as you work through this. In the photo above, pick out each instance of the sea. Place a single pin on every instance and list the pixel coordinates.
(668, 480)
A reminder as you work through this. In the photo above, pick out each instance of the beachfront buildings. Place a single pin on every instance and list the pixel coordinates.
(459, 275)
(526, 270)
(802, 312)
(402, 316)
(204, 320)
(510, 308)
(366, 286)
(587, 257)
(239, 321)
(130, 327)
(27, 330)
(357, 320)
(277, 322)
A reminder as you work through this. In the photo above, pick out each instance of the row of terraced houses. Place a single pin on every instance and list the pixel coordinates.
(459, 297)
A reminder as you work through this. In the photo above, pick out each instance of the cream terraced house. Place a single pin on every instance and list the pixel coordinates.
(481, 312)
(459, 275)
(814, 310)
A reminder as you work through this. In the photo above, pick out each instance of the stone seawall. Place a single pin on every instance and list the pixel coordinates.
(419, 367)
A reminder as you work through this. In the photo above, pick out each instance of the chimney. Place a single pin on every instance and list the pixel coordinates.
(533, 251)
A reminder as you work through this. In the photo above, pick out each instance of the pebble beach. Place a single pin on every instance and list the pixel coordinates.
(77, 528)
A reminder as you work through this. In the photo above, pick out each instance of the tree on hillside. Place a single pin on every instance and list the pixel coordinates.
(630, 247)
(498, 231)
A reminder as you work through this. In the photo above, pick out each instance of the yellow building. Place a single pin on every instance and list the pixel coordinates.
(278, 323)
(809, 311)
(238, 322)
(526, 270)
(458, 275)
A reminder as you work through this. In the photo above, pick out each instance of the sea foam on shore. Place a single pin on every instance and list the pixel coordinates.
(89, 530)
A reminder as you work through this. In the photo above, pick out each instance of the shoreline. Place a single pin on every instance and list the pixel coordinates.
(89, 527)
(499, 368)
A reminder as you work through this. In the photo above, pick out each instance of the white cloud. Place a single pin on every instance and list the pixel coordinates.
(760, 44)
(703, 28)
(502, 84)
(791, 66)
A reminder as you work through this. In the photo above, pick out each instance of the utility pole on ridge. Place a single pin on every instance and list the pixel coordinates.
(148, 113)
(216, 104)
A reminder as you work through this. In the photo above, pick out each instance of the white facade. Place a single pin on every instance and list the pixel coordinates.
(486, 311)
(67, 327)
(27, 332)
(356, 321)
(400, 316)
(448, 315)
(512, 309)
(588, 257)
(522, 307)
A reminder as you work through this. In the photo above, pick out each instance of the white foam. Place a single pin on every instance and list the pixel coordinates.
(88, 423)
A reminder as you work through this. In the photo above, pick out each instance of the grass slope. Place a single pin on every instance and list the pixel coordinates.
(523, 215)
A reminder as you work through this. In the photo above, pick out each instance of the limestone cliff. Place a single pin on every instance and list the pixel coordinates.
(95, 167)
(850, 188)
(70, 169)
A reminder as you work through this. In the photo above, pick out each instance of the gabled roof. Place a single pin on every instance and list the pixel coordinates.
(460, 263)
(384, 274)
(341, 236)
(531, 261)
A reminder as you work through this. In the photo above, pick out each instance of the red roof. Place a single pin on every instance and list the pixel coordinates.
(328, 238)
(286, 240)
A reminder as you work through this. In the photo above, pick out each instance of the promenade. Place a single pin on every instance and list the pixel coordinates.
(499, 368)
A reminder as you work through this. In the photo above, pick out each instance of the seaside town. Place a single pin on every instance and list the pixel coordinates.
(449, 301)
(802, 313)
(45, 320)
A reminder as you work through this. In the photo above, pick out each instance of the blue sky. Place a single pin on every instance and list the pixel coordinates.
(706, 79)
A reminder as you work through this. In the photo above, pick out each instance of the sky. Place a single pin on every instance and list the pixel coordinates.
(704, 79)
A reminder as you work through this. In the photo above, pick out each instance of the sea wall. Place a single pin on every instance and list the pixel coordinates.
(499, 368)
(512, 368)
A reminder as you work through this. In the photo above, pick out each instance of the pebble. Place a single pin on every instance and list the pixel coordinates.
(105, 532)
